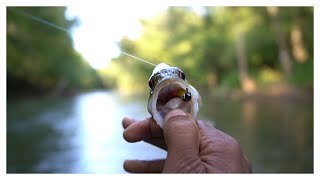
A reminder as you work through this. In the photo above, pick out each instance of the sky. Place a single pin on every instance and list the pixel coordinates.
(101, 27)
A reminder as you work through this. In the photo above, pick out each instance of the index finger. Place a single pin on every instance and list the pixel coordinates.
(127, 122)
(141, 130)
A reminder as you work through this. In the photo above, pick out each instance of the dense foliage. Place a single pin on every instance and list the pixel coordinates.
(229, 47)
(246, 48)
(41, 58)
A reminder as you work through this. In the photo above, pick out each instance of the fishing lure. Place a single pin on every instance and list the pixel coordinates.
(170, 90)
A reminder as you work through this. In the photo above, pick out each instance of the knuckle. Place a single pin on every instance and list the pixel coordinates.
(179, 122)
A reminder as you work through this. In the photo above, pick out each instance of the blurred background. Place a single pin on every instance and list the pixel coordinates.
(68, 90)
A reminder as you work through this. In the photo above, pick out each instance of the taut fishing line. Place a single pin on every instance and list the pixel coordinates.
(52, 25)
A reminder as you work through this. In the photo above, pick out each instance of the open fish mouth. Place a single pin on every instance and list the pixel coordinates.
(167, 96)
(167, 93)
(170, 90)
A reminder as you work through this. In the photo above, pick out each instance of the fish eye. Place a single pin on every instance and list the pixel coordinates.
(183, 76)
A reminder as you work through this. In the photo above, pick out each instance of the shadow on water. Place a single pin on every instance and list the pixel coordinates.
(83, 134)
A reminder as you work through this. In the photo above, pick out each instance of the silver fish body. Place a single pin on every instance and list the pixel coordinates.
(170, 90)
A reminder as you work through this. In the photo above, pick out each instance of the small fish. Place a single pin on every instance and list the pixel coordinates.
(170, 90)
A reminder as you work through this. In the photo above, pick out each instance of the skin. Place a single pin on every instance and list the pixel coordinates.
(192, 146)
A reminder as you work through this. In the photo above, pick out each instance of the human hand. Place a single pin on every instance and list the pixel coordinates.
(193, 146)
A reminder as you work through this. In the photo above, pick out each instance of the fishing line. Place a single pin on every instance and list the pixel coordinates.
(30, 16)
(52, 25)
(137, 58)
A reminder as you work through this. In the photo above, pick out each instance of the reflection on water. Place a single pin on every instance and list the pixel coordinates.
(73, 135)
(83, 134)
(276, 134)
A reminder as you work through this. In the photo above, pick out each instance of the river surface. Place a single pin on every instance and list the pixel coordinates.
(83, 134)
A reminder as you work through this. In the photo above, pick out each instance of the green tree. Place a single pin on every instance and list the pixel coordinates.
(41, 56)
(230, 47)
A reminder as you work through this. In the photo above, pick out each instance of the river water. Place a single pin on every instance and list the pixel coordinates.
(83, 134)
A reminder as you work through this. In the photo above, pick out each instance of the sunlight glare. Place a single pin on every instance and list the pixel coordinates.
(101, 27)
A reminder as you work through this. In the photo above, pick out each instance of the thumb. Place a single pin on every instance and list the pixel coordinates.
(182, 138)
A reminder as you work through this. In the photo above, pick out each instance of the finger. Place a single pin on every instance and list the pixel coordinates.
(140, 130)
(138, 166)
(182, 138)
(158, 142)
(127, 122)
(181, 132)
(155, 138)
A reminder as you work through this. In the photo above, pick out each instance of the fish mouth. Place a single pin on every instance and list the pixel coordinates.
(170, 94)
(167, 93)
(168, 99)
